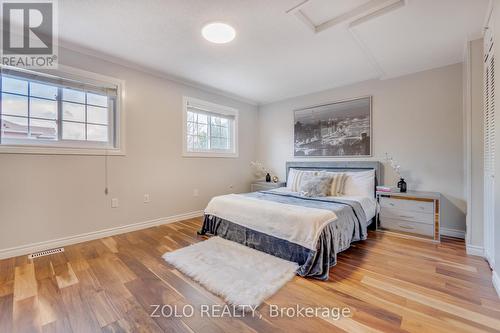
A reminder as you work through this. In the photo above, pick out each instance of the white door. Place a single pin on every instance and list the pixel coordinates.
(489, 147)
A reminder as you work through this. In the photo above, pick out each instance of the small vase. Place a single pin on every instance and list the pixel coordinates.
(268, 178)
(402, 185)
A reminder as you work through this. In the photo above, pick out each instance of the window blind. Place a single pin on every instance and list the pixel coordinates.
(104, 89)
(197, 108)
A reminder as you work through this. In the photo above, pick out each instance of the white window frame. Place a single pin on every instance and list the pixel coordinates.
(216, 109)
(74, 147)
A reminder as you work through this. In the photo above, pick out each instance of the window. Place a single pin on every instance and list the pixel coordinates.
(39, 110)
(210, 130)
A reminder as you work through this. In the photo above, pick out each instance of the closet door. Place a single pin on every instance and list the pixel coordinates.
(489, 147)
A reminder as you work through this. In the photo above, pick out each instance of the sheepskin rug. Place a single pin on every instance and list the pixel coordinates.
(241, 275)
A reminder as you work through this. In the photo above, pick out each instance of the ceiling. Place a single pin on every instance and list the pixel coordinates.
(277, 53)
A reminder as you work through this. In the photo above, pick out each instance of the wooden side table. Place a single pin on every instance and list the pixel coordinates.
(412, 214)
(263, 186)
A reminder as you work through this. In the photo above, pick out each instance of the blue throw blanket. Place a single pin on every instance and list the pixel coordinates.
(336, 237)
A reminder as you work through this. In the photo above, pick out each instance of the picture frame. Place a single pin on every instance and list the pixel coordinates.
(339, 129)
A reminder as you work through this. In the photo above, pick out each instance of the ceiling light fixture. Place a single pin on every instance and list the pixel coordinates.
(218, 32)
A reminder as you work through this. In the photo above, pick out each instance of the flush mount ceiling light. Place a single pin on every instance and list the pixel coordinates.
(218, 32)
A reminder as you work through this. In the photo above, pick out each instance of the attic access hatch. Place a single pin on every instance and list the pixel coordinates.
(319, 15)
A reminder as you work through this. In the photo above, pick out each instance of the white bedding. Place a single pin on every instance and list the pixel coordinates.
(369, 204)
(296, 224)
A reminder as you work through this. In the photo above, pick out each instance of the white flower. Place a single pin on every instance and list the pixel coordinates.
(394, 165)
(259, 170)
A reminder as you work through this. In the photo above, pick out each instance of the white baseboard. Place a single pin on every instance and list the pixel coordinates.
(496, 282)
(65, 241)
(474, 250)
(489, 259)
(452, 232)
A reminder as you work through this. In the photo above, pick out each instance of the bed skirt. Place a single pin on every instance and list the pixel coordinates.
(312, 263)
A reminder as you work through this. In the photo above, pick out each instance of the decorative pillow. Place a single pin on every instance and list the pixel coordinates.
(296, 177)
(338, 182)
(318, 186)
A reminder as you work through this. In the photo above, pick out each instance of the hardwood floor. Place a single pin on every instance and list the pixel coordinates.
(389, 284)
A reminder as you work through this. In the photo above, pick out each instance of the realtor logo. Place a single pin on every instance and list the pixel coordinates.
(29, 33)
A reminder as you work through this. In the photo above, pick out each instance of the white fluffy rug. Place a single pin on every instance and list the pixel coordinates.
(241, 275)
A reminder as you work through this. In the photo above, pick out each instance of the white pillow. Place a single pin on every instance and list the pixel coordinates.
(360, 184)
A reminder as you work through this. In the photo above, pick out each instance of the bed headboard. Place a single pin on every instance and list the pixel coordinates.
(339, 166)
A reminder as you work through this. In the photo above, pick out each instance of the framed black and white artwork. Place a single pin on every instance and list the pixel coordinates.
(339, 129)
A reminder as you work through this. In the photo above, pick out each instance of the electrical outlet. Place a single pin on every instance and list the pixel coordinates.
(146, 198)
(196, 192)
(115, 203)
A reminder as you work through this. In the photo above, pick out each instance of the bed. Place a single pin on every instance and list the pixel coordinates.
(310, 231)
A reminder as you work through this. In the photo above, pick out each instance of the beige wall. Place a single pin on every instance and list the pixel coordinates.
(46, 197)
(416, 118)
(475, 85)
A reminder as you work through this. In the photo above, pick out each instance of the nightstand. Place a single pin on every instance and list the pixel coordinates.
(411, 214)
(263, 186)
